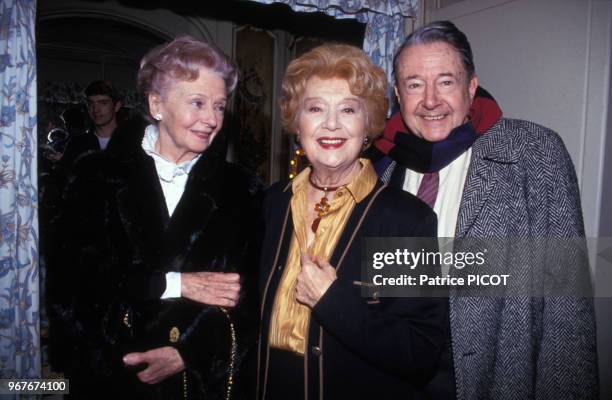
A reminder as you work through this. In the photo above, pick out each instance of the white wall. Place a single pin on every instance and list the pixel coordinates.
(605, 222)
(548, 61)
(604, 326)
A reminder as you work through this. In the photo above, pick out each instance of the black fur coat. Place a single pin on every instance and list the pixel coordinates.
(118, 242)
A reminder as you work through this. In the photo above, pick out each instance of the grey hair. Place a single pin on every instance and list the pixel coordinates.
(182, 59)
(439, 31)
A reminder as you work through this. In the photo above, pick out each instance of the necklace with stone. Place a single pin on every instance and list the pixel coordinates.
(322, 207)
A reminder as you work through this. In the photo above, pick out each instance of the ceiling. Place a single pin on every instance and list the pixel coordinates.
(95, 40)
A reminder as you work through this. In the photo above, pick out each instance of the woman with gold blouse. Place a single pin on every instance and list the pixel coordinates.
(320, 338)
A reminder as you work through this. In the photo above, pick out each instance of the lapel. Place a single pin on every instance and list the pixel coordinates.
(200, 200)
(140, 201)
(142, 206)
(285, 228)
(353, 225)
(95, 143)
(491, 154)
(281, 235)
(139, 196)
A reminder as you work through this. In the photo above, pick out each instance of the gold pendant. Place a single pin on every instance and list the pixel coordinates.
(174, 334)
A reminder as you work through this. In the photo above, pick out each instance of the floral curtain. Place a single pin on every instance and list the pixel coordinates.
(384, 19)
(19, 289)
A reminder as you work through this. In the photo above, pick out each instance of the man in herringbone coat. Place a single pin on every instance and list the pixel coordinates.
(491, 177)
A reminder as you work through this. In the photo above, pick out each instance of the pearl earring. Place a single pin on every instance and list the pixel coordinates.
(157, 117)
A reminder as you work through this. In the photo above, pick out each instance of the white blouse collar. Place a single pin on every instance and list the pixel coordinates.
(166, 169)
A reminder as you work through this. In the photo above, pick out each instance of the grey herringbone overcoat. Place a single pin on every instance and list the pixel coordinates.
(521, 184)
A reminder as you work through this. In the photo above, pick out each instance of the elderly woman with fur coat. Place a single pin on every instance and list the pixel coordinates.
(157, 236)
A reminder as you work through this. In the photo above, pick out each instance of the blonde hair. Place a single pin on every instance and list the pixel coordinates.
(365, 80)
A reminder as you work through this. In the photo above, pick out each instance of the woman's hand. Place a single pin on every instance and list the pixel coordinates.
(314, 279)
(213, 288)
(162, 363)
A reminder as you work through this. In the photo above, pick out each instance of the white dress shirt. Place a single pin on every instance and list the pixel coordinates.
(450, 189)
(173, 178)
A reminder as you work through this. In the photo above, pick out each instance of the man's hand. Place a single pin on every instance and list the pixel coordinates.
(162, 363)
(213, 288)
(314, 279)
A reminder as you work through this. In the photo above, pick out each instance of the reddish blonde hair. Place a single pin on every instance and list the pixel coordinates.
(365, 80)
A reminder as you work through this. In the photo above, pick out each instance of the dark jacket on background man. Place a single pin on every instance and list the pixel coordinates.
(79, 145)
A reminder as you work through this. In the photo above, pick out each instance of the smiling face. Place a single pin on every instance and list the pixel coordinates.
(332, 125)
(191, 115)
(433, 89)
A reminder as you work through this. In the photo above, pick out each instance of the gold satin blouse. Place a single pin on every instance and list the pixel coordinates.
(290, 319)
